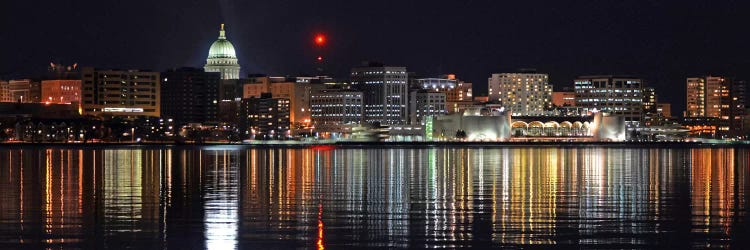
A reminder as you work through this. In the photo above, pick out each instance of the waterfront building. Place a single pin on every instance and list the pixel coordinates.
(61, 91)
(523, 93)
(617, 95)
(490, 123)
(297, 91)
(336, 110)
(458, 94)
(222, 58)
(265, 117)
(190, 95)
(385, 93)
(424, 103)
(125, 93)
(717, 97)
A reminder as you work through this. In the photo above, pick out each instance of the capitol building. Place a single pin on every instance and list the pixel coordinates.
(222, 58)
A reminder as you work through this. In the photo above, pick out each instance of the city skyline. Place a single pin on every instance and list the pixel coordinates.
(662, 43)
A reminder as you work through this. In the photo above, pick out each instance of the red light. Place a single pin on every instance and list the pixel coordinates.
(320, 39)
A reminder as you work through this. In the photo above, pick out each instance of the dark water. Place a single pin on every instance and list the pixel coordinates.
(234, 197)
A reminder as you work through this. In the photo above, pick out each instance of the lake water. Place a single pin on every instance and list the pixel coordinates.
(224, 197)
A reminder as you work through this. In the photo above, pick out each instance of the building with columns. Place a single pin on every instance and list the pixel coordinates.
(222, 58)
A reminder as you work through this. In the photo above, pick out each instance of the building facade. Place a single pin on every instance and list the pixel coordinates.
(298, 93)
(22, 90)
(222, 58)
(649, 102)
(334, 110)
(616, 95)
(424, 103)
(61, 91)
(126, 93)
(458, 94)
(521, 93)
(564, 99)
(385, 93)
(704, 96)
(265, 117)
(190, 95)
(717, 97)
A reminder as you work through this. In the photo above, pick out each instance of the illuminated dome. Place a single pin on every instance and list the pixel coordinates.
(222, 58)
(222, 48)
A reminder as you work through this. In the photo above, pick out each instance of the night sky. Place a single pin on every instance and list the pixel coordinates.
(661, 41)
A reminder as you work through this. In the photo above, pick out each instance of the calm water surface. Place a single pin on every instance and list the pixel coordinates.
(223, 197)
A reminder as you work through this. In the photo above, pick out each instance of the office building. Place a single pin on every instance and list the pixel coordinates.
(265, 117)
(298, 92)
(458, 94)
(335, 110)
(717, 97)
(385, 93)
(649, 102)
(22, 90)
(564, 98)
(222, 58)
(190, 95)
(704, 96)
(616, 95)
(61, 91)
(125, 93)
(424, 103)
(525, 93)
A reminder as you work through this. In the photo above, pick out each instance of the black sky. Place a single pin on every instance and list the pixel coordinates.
(661, 41)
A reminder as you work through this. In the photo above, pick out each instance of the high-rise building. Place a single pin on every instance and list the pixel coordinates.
(564, 98)
(333, 110)
(265, 117)
(717, 97)
(190, 95)
(524, 93)
(423, 103)
(617, 95)
(649, 105)
(733, 105)
(61, 91)
(704, 96)
(222, 58)
(126, 93)
(384, 93)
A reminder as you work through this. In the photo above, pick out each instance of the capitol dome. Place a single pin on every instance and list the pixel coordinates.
(222, 48)
(222, 58)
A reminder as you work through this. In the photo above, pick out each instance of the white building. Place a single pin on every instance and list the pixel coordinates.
(222, 58)
(524, 94)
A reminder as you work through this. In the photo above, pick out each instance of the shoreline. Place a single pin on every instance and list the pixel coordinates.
(352, 144)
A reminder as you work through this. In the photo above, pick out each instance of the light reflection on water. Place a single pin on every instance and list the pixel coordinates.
(223, 198)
